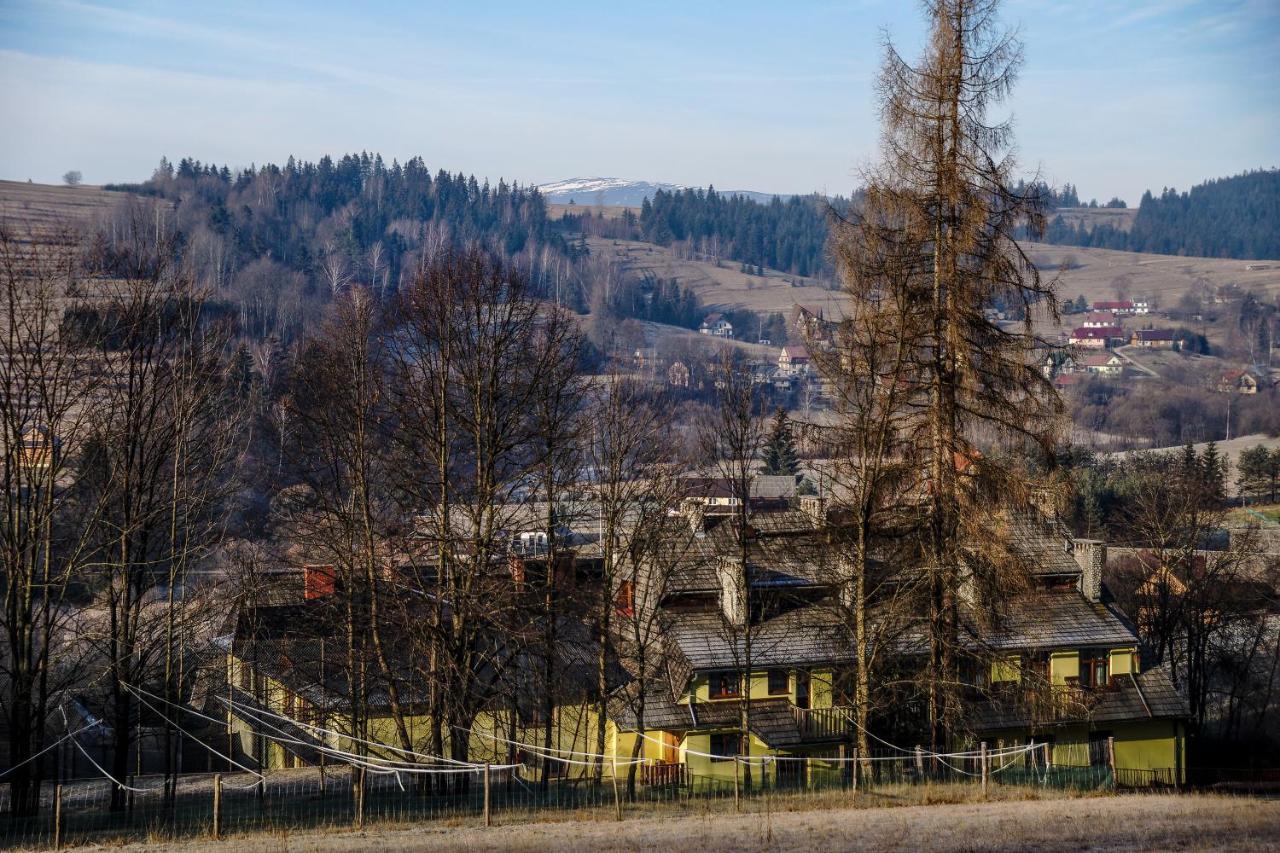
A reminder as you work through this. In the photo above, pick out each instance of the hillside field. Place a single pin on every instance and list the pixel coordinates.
(43, 207)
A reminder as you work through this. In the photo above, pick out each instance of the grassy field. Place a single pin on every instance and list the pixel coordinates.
(44, 208)
(1163, 278)
(724, 286)
(1159, 278)
(1132, 822)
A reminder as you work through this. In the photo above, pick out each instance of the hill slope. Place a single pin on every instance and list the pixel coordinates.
(619, 192)
(1235, 217)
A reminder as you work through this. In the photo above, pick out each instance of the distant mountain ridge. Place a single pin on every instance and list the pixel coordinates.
(620, 192)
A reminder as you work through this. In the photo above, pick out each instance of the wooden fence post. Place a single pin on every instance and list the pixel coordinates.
(986, 767)
(855, 770)
(1048, 755)
(57, 818)
(737, 804)
(617, 800)
(358, 780)
(1111, 758)
(488, 817)
(217, 806)
(919, 761)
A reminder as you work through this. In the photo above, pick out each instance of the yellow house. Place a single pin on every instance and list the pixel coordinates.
(758, 639)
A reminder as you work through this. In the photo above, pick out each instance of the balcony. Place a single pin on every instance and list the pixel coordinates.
(823, 724)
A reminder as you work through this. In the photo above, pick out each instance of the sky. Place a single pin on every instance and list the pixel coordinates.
(1114, 97)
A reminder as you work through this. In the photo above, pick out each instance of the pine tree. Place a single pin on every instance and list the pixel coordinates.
(943, 198)
(1213, 472)
(780, 448)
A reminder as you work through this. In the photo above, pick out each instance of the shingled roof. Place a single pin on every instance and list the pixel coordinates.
(1147, 696)
(801, 637)
(771, 720)
(1055, 619)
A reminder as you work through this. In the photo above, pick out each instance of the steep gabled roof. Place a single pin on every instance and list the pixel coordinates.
(802, 637)
(1060, 619)
(1147, 696)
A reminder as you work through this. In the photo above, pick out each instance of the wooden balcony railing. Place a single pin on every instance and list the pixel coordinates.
(823, 723)
(664, 773)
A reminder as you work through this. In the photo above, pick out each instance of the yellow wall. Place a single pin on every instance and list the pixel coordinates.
(1064, 665)
(820, 688)
(1151, 745)
(1124, 661)
(1145, 745)
(724, 770)
(1008, 668)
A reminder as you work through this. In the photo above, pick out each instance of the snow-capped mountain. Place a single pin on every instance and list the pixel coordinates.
(619, 191)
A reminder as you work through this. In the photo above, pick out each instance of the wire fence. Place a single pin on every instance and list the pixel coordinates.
(221, 805)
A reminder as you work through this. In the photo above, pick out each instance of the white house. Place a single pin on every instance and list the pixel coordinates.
(717, 325)
(1104, 364)
(793, 360)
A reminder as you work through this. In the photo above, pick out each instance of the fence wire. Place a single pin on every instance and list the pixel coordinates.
(343, 796)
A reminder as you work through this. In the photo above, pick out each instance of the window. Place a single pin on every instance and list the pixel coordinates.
(1038, 671)
(724, 747)
(625, 600)
(1093, 669)
(725, 685)
(779, 682)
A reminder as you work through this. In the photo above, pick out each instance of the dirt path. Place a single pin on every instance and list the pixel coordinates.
(1134, 822)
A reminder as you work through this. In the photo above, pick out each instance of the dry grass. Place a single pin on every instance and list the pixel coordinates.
(608, 211)
(720, 287)
(1133, 822)
(44, 208)
(1092, 217)
(1163, 277)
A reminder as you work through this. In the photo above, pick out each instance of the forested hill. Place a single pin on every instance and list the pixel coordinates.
(786, 235)
(278, 237)
(1236, 217)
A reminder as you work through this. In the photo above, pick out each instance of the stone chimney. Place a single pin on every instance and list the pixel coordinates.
(1045, 500)
(1091, 556)
(694, 510)
(814, 506)
(318, 582)
(733, 597)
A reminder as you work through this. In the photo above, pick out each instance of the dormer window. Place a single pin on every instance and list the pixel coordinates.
(725, 685)
(1094, 670)
(779, 682)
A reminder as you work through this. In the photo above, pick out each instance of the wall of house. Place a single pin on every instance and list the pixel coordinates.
(1007, 668)
(699, 765)
(1151, 745)
(1064, 665)
(1124, 662)
(820, 688)
(1139, 745)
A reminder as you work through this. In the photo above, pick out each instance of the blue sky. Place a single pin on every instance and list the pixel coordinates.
(775, 96)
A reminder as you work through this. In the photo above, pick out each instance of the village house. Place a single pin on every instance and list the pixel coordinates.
(1153, 338)
(678, 375)
(716, 325)
(793, 360)
(1063, 670)
(1123, 307)
(809, 323)
(1240, 381)
(1100, 320)
(1103, 364)
(1102, 337)
(1060, 670)
(1057, 363)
